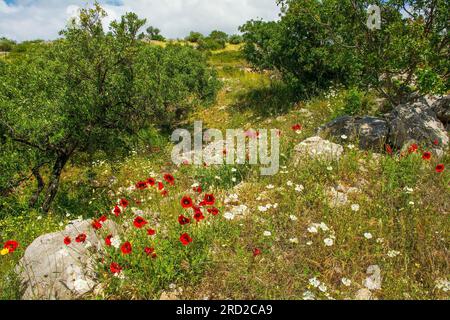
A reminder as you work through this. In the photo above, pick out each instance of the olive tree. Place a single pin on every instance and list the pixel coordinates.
(92, 89)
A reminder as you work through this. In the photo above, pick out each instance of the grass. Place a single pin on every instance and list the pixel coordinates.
(219, 263)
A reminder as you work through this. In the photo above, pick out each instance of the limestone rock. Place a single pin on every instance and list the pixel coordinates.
(318, 148)
(51, 270)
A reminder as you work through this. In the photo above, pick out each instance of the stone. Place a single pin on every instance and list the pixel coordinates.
(373, 281)
(318, 148)
(51, 270)
(418, 122)
(442, 109)
(364, 294)
(371, 132)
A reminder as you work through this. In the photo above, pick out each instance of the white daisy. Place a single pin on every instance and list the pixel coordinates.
(328, 242)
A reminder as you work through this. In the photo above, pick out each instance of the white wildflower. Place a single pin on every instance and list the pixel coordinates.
(346, 282)
(267, 233)
(328, 242)
(355, 207)
(314, 282)
(368, 235)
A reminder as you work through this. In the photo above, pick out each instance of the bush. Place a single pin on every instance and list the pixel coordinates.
(235, 39)
(211, 44)
(320, 43)
(194, 37)
(6, 45)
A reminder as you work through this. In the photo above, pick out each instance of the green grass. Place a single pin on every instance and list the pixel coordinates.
(219, 263)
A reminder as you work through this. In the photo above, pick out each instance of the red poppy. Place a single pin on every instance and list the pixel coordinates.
(123, 203)
(151, 232)
(81, 238)
(199, 216)
(256, 252)
(102, 219)
(117, 211)
(150, 252)
(214, 211)
(388, 149)
(436, 142)
(126, 248)
(185, 239)
(201, 204)
(151, 182)
(186, 202)
(297, 127)
(108, 240)
(426, 155)
(183, 220)
(96, 225)
(67, 241)
(413, 148)
(197, 189)
(115, 268)
(139, 222)
(141, 185)
(169, 178)
(165, 193)
(209, 199)
(440, 168)
(160, 186)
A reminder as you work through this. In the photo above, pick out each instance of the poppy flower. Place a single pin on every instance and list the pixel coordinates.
(209, 199)
(141, 185)
(126, 248)
(199, 216)
(169, 178)
(186, 202)
(202, 203)
(165, 193)
(436, 142)
(296, 127)
(67, 241)
(185, 239)
(426, 155)
(115, 268)
(256, 252)
(160, 186)
(413, 148)
(388, 149)
(151, 232)
(96, 225)
(81, 238)
(108, 240)
(151, 181)
(214, 211)
(139, 222)
(117, 211)
(183, 220)
(123, 203)
(440, 168)
(150, 252)
(102, 219)
(197, 189)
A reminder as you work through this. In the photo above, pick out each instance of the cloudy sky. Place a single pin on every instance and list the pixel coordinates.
(42, 19)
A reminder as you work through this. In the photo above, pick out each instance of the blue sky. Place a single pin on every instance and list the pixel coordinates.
(33, 19)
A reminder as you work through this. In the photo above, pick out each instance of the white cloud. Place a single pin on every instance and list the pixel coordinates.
(32, 19)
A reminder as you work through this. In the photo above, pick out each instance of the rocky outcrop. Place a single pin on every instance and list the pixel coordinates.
(371, 132)
(318, 148)
(416, 122)
(422, 122)
(50, 269)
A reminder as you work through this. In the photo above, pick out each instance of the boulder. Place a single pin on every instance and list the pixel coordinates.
(416, 122)
(442, 109)
(52, 270)
(371, 132)
(318, 148)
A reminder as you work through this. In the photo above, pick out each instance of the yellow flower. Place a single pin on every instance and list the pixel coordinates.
(4, 251)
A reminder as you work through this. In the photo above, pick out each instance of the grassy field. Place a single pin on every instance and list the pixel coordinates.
(305, 247)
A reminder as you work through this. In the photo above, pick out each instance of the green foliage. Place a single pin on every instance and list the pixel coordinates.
(91, 90)
(320, 43)
(154, 34)
(235, 39)
(210, 44)
(194, 37)
(6, 45)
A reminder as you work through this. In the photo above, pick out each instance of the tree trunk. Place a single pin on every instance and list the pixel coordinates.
(54, 181)
(40, 187)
